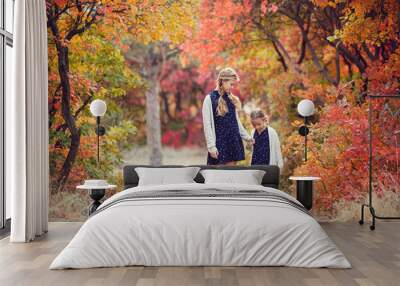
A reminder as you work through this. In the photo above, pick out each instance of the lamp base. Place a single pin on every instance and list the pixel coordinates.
(304, 193)
(303, 130)
(100, 130)
(96, 195)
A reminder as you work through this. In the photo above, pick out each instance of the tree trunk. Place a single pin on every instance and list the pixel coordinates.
(150, 65)
(63, 69)
(153, 123)
(80, 26)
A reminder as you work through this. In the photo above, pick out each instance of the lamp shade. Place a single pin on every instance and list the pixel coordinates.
(305, 108)
(98, 107)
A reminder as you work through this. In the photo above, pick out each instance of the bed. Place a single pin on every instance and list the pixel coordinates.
(199, 224)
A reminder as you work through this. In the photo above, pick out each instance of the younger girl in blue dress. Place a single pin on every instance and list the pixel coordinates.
(266, 145)
(222, 127)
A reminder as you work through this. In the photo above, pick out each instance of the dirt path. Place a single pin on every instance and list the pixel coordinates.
(171, 156)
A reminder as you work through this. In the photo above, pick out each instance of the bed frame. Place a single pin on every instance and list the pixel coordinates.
(270, 179)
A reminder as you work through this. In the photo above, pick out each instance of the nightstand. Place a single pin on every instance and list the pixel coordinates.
(97, 190)
(304, 189)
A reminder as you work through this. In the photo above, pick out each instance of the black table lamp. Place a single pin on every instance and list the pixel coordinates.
(98, 108)
(306, 109)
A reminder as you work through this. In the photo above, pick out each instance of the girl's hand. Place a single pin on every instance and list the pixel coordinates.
(250, 144)
(214, 154)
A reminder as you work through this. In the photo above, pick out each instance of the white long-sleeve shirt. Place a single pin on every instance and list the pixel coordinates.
(274, 147)
(209, 127)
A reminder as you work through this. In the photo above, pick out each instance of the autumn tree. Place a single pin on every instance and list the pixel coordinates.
(165, 28)
(333, 52)
(182, 93)
(67, 20)
(118, 22)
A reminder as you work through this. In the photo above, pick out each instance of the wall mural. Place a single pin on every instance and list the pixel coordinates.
(153, 63)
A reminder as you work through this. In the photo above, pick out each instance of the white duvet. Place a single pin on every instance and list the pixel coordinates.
(200, 231)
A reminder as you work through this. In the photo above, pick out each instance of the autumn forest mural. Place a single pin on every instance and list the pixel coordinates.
(153, 62)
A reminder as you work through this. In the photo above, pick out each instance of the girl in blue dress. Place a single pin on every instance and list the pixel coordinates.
(222, 127)
(266, 144)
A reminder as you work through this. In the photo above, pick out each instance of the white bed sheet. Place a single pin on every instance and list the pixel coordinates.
(202, 232)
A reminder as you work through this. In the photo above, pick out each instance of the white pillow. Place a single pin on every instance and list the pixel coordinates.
(249, 177)
(165, 176)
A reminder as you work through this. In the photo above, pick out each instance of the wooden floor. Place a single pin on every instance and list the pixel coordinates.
(375, 257)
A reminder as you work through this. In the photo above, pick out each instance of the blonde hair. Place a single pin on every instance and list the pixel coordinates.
(225, 75)
(258, 113)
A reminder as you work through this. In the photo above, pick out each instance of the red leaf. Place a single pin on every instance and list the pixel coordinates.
(60, 3)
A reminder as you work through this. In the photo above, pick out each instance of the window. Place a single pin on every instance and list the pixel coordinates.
(6, 64)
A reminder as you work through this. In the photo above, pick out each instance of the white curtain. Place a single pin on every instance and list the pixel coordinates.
(27, 124)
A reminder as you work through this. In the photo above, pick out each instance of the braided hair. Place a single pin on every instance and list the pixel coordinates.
(224, 75)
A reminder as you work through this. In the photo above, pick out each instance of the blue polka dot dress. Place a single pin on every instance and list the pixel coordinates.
(261, 148)
(228, 141)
